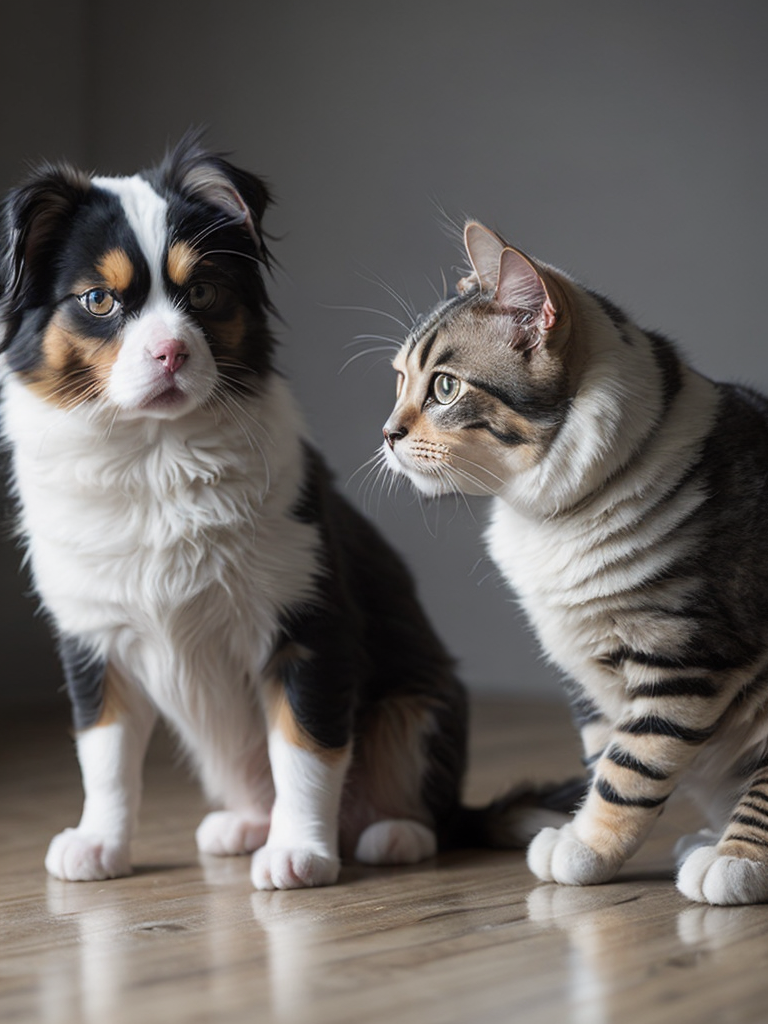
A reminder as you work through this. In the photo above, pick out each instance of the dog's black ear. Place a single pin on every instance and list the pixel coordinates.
(199, 174)
(33, 218)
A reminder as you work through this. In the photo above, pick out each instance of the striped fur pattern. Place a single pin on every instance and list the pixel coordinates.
(192, 554)
(630, 516)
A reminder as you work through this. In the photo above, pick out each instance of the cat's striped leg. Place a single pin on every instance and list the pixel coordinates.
(633, 778)
(594, 728)
(735, 869)
(302, 848)
(113, 723)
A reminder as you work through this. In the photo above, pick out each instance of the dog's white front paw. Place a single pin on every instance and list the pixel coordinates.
(709, 877)
(556, 855)
(228, 833)
(75, 856)
(284, 868)
(397, 841)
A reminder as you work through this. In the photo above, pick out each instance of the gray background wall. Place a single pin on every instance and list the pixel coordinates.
(625, 142)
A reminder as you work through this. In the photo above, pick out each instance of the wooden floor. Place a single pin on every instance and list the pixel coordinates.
(466, 938)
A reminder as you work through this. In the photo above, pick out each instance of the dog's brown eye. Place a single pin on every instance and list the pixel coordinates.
(202, 296)
(99, 302)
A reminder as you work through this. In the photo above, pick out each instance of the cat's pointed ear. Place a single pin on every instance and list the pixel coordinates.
(520, 286)
(513, 279)
(484, 249)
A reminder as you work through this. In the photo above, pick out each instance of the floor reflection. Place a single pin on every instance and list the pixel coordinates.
(294, 934)
(590, 924)
(718, 928)
(181, 942)
(92, 986)
(124, 952)
(612, 961)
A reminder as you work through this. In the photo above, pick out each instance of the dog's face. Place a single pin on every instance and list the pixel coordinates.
(143, 296)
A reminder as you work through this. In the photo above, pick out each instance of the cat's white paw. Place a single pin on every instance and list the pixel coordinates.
(283, 868)
(556, 855)
(709, 877)
(75, 856)
(396, 842)
(227, 833)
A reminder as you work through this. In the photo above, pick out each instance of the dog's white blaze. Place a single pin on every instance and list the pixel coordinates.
(136, 376)
(147, 215)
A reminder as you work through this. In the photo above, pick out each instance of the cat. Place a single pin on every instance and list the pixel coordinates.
(192, 554)
(630, 516)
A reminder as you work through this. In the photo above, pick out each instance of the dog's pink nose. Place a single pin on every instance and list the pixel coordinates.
(171, 353)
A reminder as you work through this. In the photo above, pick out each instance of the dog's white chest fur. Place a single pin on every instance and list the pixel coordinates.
(156, 537)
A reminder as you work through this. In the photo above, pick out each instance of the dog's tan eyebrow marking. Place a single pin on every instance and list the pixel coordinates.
(116, 270)
(181, 261)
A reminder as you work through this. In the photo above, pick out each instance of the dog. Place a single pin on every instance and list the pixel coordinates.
(192, 555)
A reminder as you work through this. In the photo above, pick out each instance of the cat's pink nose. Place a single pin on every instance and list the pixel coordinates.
(171, 352)
(392, 435)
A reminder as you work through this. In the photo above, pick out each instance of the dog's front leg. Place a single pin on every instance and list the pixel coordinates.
(309, 766)
(111, 753)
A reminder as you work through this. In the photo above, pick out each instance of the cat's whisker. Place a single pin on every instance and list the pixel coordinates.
(440, 297)
(359, 338)
(370, 464)
(366, 352)
(436, 506)
(447, 475)
(454, 476)
(482, 469)
(377, 312)
(376, 466)
(405, 304)
(374, 485)
(395, 484)
(451, 226)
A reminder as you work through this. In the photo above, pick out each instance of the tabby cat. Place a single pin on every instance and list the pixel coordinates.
(630, 515)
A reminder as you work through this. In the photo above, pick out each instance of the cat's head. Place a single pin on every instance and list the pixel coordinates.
(485, 380)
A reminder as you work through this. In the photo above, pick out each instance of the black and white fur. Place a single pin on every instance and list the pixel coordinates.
(191, 553)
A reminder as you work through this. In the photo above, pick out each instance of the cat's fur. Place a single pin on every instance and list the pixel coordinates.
(191, 552)
(630, 516)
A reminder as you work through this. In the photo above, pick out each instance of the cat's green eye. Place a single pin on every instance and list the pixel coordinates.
(445, 389)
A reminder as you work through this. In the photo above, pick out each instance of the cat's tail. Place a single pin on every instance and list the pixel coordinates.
(512, 820)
